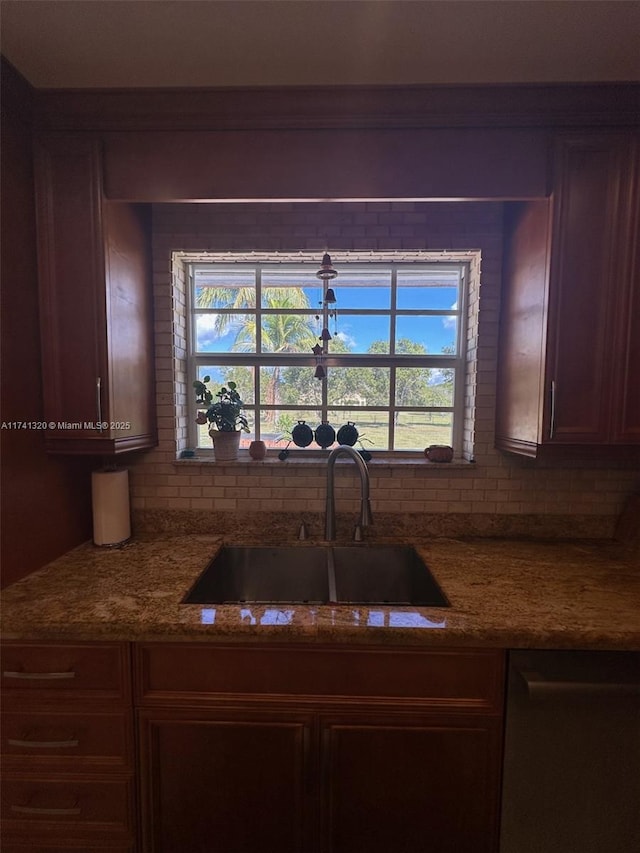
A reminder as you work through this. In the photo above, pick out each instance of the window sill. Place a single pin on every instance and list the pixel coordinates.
(321, 462)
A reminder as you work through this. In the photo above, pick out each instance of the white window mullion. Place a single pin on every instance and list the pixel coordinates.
(459, 375)
(393, 310)
(258, 310)
(392, 409)
(257, 379)
(392, 351)
(192, 361)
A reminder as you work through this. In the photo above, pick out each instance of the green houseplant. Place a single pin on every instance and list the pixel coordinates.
(224, 416)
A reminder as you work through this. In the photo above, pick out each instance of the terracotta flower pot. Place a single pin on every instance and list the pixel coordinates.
(439, 453)
(225, 444)
(257, 450)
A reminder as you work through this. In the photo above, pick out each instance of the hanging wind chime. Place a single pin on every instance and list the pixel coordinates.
(326, 273)
(325, 435)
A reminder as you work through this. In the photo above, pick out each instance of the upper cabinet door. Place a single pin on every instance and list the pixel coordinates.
(71, 272)
(587, 291)
(96, 308)
(569, 371)
(626, 415)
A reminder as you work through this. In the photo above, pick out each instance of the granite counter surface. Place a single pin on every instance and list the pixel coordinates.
(503, 593)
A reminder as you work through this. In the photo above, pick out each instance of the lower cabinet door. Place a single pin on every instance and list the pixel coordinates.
(225, 785)
(402, 785)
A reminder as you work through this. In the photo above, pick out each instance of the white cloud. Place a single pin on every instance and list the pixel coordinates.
(347, 340)
(437, 376)
(451, 322)
(209, 338)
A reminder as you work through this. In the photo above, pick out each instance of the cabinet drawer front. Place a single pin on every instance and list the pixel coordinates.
(70, 846)
(33, 739)
(71, 671)
(458, 678)
(66, 809)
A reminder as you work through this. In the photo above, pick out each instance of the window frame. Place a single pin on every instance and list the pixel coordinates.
(308, 262)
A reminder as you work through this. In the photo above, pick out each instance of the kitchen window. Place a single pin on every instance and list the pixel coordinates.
(395, 362)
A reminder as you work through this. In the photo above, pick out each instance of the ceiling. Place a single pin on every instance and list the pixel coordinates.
(227, 43)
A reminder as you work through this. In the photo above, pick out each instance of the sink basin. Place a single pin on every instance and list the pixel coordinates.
(318, 574)
(384, 574)
(263, 575)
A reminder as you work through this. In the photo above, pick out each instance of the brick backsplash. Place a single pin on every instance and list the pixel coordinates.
(494, 484)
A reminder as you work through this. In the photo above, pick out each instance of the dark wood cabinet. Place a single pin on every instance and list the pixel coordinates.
(569, 369)
(67, 747)
(96, 311)
(348, 163)
(318, 750)
(290, 749)
(626, 421)
(226, 782)
(409, 783)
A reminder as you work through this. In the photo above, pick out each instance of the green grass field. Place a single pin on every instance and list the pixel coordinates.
(413, 430)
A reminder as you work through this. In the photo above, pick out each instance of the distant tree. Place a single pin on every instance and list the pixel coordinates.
(447, 373)
(242, 376)
(280, 333)
(412, 383)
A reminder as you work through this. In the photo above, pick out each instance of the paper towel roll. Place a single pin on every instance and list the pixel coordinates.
(110, 497)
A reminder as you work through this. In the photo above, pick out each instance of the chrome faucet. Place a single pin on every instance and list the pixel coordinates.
(366, 517)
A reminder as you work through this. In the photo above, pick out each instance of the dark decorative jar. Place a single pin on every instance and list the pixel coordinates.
(348, 434)
(325, 435)
(302, 434)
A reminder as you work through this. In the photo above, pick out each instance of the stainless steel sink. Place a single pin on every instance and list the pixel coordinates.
(317, 574)
(384, 574)
(263, 574)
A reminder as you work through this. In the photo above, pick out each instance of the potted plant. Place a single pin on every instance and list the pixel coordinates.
(225, 417)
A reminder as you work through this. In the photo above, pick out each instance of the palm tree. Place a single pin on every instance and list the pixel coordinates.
(280, 332)
(225, 297)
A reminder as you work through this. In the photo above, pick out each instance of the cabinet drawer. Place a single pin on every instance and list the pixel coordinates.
(67, 741)
(62, 810)
(450, 678)
(63, 847)
(40, 672)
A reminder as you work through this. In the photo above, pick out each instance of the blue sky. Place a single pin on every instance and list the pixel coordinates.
(359, 331)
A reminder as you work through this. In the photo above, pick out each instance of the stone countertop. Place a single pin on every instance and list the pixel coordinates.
(503, 593)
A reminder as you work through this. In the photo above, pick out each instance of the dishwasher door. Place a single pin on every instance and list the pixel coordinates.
(571, 780)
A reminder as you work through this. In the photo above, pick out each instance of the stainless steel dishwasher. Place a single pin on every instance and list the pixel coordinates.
(571, 779)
